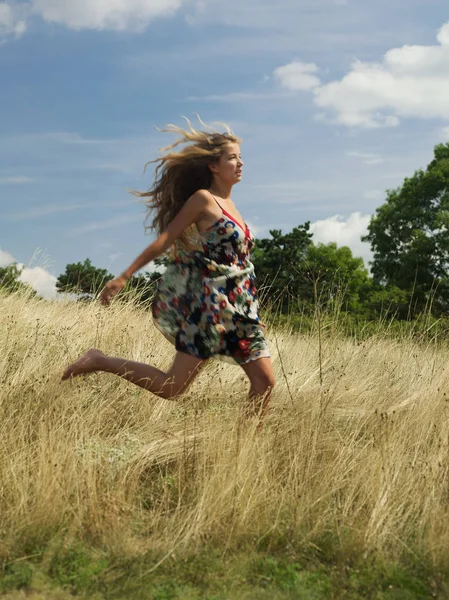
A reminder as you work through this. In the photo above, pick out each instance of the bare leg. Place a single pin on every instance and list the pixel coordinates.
(165, 385)
(261, 377)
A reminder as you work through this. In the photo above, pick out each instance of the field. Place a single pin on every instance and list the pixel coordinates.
(108, 492)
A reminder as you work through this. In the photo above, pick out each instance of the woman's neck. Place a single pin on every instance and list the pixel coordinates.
(221, 189)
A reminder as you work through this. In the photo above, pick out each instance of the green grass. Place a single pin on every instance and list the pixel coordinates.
(213, 574)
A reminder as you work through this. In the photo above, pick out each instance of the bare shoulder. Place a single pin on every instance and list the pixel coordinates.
(200, 198)
(201, 203)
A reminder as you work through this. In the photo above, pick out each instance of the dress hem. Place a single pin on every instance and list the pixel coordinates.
(216, 356)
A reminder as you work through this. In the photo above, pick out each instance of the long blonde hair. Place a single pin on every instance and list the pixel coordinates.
(181, 173)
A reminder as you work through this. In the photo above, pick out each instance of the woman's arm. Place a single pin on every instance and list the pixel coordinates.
(191, 212)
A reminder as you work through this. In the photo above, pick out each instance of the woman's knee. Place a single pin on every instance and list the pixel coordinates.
(180, 376)
(173, 390)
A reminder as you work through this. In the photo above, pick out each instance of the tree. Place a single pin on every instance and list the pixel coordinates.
(143, 286)
(82, 278)
(409, 236)
(295, 273)
(335, 276)
(9, 280)
(386, 301)
(86, 280)
(276, 261)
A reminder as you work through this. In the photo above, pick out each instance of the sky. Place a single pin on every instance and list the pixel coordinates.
(336, 101)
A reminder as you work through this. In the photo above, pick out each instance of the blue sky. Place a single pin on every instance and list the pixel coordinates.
(336, 101)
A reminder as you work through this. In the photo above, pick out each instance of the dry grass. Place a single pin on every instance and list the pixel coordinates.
(361, 458)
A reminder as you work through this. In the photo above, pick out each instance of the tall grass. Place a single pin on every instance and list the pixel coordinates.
(354, 451)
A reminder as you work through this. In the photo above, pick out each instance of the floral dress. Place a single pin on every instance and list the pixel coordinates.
(206, 302)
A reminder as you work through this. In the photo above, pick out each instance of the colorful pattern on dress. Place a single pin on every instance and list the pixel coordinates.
(206, 302)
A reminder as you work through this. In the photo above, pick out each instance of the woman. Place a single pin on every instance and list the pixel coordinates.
(206, 300)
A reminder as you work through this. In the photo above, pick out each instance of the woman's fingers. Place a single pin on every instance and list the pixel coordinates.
(106, 295)
(104, 298)
(111, 289)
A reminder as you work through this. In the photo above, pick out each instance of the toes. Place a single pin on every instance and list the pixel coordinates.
(66, 375)
(86, 364)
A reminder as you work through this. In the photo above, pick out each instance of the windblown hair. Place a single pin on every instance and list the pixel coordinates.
(181, 173)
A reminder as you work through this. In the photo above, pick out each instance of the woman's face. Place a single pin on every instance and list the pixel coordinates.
(229, 166)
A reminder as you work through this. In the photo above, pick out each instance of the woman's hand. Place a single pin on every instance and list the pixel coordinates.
(112, 288)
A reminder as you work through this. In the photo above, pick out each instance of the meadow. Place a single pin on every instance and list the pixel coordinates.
(108, 492)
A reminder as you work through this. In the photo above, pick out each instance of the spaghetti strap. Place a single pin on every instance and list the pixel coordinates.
(216, 201)
(225, 212)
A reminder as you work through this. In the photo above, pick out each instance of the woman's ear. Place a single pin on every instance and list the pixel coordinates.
(213, 167)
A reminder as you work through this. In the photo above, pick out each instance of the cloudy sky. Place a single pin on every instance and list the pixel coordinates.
(336, 102)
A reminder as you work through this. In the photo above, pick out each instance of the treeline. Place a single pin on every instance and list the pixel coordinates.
(409, 238)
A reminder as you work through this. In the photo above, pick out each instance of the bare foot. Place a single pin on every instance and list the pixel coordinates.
(88, 363)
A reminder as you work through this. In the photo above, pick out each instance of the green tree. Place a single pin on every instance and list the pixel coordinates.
(277, 260)
(82, 278)
(9, 280)
(409, 236)
(86, 280)
(386, 301)
(335, 276)
(143, 286)
(294, 273)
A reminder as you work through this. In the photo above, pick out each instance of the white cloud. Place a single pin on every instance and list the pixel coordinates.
(300, 16)
(16, 180)
(344, 232)
(113, 257)
(410, 81)
(11, 21)
(38, 278)
(445, 134)
(443, 35)
(20, 28)
(367, 158)
(104, 14)
(6, 258)
(298, 76)
(255, 229)
(134, 15)
(373, 194)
